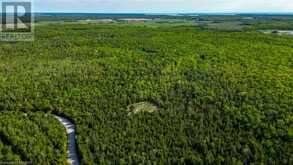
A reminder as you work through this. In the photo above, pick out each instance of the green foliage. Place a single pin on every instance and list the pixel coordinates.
(31, 137)
(245, 22)
(224, 97)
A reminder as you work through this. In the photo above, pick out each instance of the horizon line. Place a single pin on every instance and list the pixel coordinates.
(244, 12)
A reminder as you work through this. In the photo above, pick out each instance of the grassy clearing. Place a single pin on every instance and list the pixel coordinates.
(141, 108)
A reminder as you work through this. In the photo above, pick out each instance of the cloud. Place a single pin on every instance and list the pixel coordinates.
(164, 5)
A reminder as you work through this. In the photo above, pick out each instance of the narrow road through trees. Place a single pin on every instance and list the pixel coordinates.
(71, 149)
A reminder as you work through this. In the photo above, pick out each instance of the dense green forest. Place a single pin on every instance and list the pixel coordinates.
(238, 22)
(246, 22)
(34, 138)
(219, 97)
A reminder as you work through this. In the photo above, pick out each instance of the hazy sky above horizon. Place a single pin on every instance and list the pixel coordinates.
(159, 6)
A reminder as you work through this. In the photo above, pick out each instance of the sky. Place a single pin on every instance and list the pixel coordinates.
(162, 6)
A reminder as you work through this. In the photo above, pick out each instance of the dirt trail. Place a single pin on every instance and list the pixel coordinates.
(70, 130)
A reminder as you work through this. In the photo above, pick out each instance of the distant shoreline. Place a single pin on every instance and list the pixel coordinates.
(160, 14)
